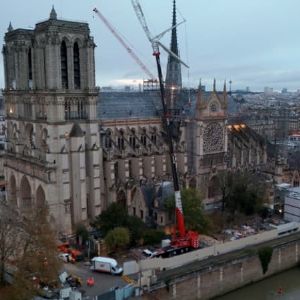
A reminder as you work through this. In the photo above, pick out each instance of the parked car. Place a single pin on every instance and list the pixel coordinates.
(66, 257)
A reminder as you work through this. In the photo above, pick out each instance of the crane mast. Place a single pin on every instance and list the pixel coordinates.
(124, 44)
(186, 239)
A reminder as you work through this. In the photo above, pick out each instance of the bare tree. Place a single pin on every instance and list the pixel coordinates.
(27, 249)
(11, 236)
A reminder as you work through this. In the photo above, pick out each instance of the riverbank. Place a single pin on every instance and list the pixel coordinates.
(283, 286)
(221, 274)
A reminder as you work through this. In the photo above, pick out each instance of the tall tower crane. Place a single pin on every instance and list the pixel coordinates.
(186, 239)
(124, 44)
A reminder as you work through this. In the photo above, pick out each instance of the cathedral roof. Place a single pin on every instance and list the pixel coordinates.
(144, 105)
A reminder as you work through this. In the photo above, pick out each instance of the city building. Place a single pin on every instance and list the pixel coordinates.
(292, 205)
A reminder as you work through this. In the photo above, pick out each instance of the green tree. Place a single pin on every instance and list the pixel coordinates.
(117, 238)
(136, 228)
(192, 209)
(82, 233)
(114, 216)
(152, 236)
(246, 194)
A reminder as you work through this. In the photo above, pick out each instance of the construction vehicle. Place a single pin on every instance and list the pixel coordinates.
(152, 80)
(75, 254)
(182, 241)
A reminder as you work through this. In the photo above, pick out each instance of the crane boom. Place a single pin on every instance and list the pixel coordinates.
(186, 239)
(124, 44)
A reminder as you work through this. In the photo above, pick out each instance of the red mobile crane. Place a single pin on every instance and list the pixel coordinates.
(185, 240)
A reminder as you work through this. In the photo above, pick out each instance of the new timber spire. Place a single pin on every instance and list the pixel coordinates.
(173, 76)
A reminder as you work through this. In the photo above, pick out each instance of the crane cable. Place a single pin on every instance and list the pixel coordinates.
(186, 45)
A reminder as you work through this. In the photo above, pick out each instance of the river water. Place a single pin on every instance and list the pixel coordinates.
(284, 286)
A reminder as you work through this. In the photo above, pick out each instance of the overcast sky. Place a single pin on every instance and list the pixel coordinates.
(254, 43)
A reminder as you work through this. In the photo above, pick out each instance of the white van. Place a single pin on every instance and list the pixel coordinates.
(106, 264)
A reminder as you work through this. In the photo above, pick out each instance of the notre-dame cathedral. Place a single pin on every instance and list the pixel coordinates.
(78, 149)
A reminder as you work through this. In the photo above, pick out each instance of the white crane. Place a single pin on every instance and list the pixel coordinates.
(124, 44)
(154, 40)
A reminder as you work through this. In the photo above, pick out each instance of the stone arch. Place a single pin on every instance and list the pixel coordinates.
(40, 197)
(12, 190)
(25, 190)
(213, 189)
(121, 198)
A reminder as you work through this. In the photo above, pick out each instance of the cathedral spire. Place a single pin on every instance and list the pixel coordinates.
(53, 15)
(173, 76)
(10, 28)
(225, 88)
(214, 85)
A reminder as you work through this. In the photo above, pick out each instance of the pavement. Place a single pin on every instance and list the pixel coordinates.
(103, 282)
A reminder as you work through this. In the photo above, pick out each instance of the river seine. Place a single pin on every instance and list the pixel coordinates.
(284, 286)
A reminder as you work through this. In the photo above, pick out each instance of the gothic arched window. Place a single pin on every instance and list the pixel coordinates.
(144, 138)
(121, 144)
(132, 140)
(76, 66)
(64, 65)
(29, 69)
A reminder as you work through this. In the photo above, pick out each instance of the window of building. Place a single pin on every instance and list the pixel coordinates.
(134, 211)
(144, 138)
(107, 141)
(142, 214)
(64, 65)
(29, 69)
(121, 144)
(132, 141)
(76, 66)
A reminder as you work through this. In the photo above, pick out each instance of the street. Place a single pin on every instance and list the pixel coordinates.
(103, 282)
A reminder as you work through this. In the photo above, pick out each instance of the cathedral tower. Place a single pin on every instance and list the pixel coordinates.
(52, 154)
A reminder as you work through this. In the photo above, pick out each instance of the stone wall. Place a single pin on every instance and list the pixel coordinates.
(225, 277)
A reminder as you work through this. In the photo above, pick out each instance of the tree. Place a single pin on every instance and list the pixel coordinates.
(11, 236)
(117, 238)
(114, 216)
(136, 228)
(82, 233)
(225, 180)
(152, 236)
(117, 216)
(246, 193)
(27, 249)
(192, 210)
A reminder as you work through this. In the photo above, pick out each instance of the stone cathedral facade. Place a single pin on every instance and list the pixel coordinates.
(53, 144)
(78, 150)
